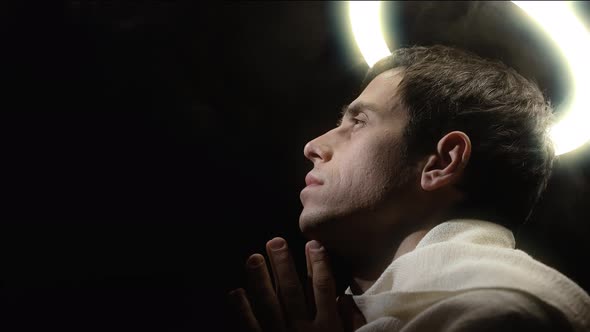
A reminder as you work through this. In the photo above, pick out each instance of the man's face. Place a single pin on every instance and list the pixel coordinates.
(360, 177)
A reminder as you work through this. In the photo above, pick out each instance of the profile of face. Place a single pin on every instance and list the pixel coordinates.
(360, 180)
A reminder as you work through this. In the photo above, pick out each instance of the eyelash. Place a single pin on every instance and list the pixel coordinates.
(354, 120)
(357, 121)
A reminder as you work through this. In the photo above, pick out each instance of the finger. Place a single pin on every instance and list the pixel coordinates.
(324, 286)
(264, 300)
(309, 283)
(289, 287)
(242, 307)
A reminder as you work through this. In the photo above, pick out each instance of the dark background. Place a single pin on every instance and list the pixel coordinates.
(150, 147)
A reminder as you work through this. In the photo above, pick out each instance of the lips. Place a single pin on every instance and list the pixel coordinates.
(311, 180)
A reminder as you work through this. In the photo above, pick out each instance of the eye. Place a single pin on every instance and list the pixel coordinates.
(357, 122)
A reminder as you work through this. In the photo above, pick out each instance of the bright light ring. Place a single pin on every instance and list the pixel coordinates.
(562, 26)
(365, 20)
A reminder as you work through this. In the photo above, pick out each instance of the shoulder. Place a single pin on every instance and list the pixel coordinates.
(489, 310)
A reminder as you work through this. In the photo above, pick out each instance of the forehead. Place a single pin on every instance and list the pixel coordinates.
(382, 90)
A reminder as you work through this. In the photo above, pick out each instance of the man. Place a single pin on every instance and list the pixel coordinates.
(415, 194)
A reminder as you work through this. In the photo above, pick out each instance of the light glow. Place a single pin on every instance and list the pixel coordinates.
(365, 20)
(559, 22)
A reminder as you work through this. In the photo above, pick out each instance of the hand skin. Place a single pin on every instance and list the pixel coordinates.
(286, 309)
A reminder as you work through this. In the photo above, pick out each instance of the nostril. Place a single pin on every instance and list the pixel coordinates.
(317, 149)
(312, 152)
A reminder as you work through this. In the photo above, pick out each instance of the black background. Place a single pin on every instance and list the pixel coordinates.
(150, 147)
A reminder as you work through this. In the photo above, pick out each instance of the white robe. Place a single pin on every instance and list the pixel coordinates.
(464, 269)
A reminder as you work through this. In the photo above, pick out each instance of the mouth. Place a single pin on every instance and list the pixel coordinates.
(311, 180)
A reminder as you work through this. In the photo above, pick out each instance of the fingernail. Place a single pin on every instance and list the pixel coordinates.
(254, 260)
(315, 245)
(277, 243)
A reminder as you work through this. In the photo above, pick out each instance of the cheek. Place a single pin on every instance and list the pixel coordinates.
(369, 171)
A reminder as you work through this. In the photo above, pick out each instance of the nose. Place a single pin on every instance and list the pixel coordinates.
(316, 151)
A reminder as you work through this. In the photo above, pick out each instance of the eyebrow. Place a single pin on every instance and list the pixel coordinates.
(355, 109)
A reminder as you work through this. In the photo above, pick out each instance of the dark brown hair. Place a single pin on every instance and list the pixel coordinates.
(506, 117)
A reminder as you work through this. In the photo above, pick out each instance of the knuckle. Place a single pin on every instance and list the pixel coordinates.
(318, 256)
(318, 262)
(323, 283)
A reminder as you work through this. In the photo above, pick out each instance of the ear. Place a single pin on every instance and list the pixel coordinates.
(447, 164)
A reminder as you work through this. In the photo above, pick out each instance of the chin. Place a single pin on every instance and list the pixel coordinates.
(308, 224)
(312, 223)
(325, 226)
(331, 230)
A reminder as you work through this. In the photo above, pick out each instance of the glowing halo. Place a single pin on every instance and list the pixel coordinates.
(365, 20)
(559, 22)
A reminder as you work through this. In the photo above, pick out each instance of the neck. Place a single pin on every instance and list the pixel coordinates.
(362, 277)
(360, 265)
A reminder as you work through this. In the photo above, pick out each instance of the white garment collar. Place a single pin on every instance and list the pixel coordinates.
(469, 231)
(466, 254)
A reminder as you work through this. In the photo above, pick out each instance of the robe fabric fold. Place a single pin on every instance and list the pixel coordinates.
(462, 256)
